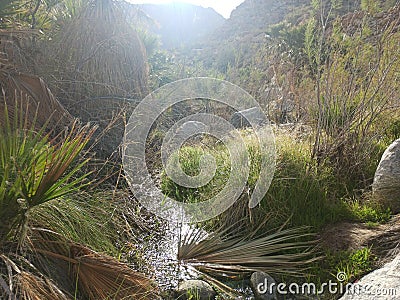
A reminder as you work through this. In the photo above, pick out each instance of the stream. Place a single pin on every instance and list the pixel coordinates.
(160, 254)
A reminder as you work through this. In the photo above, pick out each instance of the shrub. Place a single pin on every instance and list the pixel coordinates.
(35, 170)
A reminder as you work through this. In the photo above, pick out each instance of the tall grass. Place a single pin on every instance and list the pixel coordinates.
(300, 191)
(308, 194)
(189, 157)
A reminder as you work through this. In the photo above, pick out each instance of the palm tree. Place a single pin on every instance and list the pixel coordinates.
(102, 72)
(35, 171)
(104, 56)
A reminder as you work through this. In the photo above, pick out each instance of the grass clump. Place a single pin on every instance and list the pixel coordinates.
(190, 160)
(353, 263)
(80, 218)
(301, 190)
(356, 263)
(371, 213)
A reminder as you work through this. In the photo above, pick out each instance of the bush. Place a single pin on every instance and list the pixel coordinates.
(35, 170)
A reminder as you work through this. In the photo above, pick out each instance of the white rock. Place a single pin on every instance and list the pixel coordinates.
(381, 284)
(263, 286)
(386, 185)
(197, 289)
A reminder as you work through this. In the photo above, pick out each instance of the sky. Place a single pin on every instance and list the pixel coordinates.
(224, 7)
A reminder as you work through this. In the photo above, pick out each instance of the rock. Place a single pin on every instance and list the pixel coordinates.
(381, 284)
(386, 185)
(241, 118)
(263, 286)
(190, 128)
(195, 290)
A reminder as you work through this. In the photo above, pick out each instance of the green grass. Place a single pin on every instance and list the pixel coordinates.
(81, 218)
(189, 159)
(371, 213)
(300, 191)
(354, 264)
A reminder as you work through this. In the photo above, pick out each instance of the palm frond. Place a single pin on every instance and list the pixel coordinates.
(30, 91)
(102, 277)
(22, 280)
(30, 94)
(34, 169)
(282, 252)
(97, 275)
(33, 287)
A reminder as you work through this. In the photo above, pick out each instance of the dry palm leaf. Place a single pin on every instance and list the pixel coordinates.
(99, 276)
(32, 95)
(32, 287)
(103, 277)
(31, 91)
(222, 253)
(17, 283)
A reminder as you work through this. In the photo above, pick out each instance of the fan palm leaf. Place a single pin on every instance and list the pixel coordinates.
(35, 169)
(281, 252)
(33, 97)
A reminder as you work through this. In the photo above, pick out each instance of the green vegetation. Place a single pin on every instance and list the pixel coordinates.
(301, 194)
(370, 212)
(189, 159)
(353, 264)
(34, 171)
(328, 69)
(42, 221)
(302, 191)
(357, 263)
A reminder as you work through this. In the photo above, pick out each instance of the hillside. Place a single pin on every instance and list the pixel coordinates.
(254, 21)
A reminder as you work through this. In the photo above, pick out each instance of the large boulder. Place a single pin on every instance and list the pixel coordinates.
(242, 119)
(381, 284)
(195, 290)
(263, 286)
(386, 185)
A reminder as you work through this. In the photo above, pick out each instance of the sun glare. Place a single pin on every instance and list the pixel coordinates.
(223, 7)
